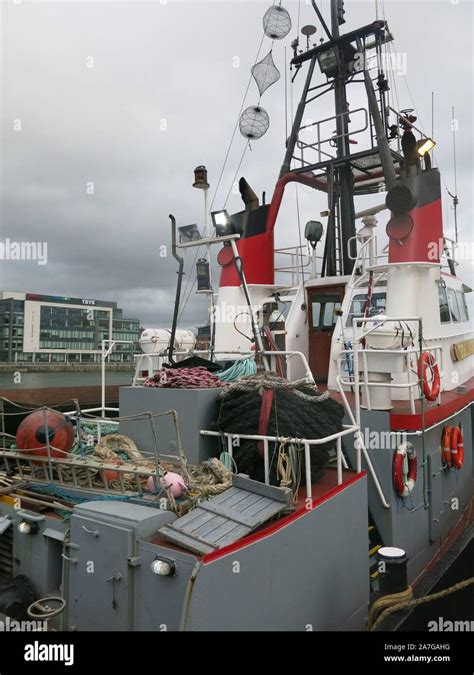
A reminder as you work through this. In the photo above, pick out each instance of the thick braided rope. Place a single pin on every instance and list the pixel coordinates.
(404, 604)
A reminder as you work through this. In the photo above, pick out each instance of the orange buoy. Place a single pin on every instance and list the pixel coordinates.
(457, 448)
(108, 474)
(447, 445)
(43, 427)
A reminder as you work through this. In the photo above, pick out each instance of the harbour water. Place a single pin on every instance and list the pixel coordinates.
(61, 379)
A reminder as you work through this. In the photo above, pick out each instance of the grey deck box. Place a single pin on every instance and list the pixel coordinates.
(196, 409)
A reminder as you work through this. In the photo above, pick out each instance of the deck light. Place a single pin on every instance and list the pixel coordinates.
(221, 222)
(27, 528)
(188, 233)
(328, 62)
(424, 145)
(163, 568)
(313, 232)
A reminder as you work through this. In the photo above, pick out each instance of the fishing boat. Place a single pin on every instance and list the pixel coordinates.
(307, 468)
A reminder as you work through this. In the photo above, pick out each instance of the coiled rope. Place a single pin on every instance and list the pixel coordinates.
(241, 368)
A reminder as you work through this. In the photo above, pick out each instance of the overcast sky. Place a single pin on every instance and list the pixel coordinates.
(162, 96)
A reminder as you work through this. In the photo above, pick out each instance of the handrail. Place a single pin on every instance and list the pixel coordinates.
(316, 146)
(360, 447)
(287, 353)
(306, 442)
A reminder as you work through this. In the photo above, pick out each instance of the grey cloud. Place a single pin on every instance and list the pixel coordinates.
(173, 64)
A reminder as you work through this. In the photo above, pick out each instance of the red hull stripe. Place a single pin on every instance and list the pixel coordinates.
(267, 531)
(409, 422)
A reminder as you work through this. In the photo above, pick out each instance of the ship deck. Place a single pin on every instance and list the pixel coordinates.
(323, 489)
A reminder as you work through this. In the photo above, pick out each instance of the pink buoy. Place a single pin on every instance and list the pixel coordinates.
(172, 480)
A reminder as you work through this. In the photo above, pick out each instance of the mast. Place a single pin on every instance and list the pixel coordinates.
(336, 171)
(346, 219)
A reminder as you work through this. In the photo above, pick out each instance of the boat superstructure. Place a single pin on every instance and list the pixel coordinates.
(339, 406)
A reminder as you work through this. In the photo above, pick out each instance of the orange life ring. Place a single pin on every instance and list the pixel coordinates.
(457, 448)
(431, 391)
(446, 441)
(405, 468)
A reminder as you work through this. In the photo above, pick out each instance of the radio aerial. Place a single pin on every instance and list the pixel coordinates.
(308, 31)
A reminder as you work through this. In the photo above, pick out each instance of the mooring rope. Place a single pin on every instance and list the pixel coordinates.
(404, 600)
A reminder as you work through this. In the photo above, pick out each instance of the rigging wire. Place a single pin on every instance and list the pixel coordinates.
(186, 293)
(299, 232)
(286, 96)
(453, 126)
(297, 195)
(247, 145)
(391, 47)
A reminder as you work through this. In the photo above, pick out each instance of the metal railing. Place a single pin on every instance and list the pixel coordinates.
(401, 117)
(76, 471)
(333, 138)
(300, 261)
(98, 421)
(360, 353)
(360, 445)
(406, 353)
(305, 442)
(244, 355)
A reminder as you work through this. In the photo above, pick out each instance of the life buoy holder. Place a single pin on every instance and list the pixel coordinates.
(430, 389)
(405, 466)
(446, 442)
(457, 448)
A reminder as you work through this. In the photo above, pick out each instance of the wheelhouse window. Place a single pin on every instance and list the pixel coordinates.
(358, 306)
(453, 305)
(323, 309)
(444, 314)
(462, 306)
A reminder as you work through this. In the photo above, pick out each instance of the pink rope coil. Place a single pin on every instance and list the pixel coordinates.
(183, 378)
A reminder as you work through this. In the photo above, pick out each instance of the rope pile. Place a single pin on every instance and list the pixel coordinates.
(114, 445)
(241, 368)
(183, 378)
(209, 478)
(294, 410)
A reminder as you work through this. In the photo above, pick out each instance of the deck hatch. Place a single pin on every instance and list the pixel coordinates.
(227, 517)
